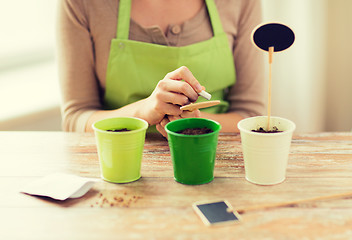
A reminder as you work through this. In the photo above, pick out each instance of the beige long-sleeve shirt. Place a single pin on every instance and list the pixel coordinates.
(86, 27)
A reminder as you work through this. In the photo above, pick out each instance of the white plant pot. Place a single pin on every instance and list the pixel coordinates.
(265, 154)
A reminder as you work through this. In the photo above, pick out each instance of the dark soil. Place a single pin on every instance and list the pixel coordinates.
(195, 131)
(262, 130)
(118, 130)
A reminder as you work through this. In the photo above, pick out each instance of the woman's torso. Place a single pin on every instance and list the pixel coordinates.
(193, 30)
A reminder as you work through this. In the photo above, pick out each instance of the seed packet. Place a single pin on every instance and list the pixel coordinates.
(59, 186)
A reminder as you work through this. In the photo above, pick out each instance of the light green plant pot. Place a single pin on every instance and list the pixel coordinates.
(120, 153)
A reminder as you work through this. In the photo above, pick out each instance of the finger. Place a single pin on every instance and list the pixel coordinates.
(168, 95)
(164, 122)
(162, 108)
(161, 130)
(197, 113)
(185, 91)
(161, 126)
(185, 74)
(193, 114)
(173, 118)
(171, 109)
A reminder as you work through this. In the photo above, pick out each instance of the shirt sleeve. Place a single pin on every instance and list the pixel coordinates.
(247, 95)
(75, 55)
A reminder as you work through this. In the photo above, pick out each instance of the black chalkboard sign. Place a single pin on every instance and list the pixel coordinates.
(218, 212)
(275, 35)
(272, 37)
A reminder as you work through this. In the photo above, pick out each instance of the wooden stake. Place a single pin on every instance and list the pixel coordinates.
(194, 106)
(271, 51)
(294, 202)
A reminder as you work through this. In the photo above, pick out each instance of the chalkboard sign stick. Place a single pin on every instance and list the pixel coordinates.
(294, 202)
(271, 52)
(266, 37)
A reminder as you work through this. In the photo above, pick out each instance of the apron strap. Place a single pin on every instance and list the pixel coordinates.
(214, 17)
(123, 21)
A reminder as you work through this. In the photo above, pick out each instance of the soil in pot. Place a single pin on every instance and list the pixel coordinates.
(195, 131)
(118, 130)
(262, 130)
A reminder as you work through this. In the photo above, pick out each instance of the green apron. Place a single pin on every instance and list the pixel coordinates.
(135, 68)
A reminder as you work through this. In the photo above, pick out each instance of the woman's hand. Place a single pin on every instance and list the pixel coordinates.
(185, 114)
(169, 95)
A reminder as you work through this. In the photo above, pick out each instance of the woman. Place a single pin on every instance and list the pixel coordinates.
(113, 55)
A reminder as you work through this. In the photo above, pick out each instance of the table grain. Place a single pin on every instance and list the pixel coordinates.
(157, 207)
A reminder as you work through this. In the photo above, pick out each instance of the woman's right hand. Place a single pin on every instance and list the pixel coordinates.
(170, 94)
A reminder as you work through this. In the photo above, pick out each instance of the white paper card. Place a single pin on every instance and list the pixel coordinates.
(59, 186)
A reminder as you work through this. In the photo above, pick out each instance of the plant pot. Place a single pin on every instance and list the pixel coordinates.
(193, 156)
(265, 154)
(120, 152)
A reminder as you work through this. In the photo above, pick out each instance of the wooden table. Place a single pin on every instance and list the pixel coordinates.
(157, 207)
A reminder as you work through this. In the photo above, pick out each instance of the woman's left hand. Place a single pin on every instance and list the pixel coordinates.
(185, 114)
